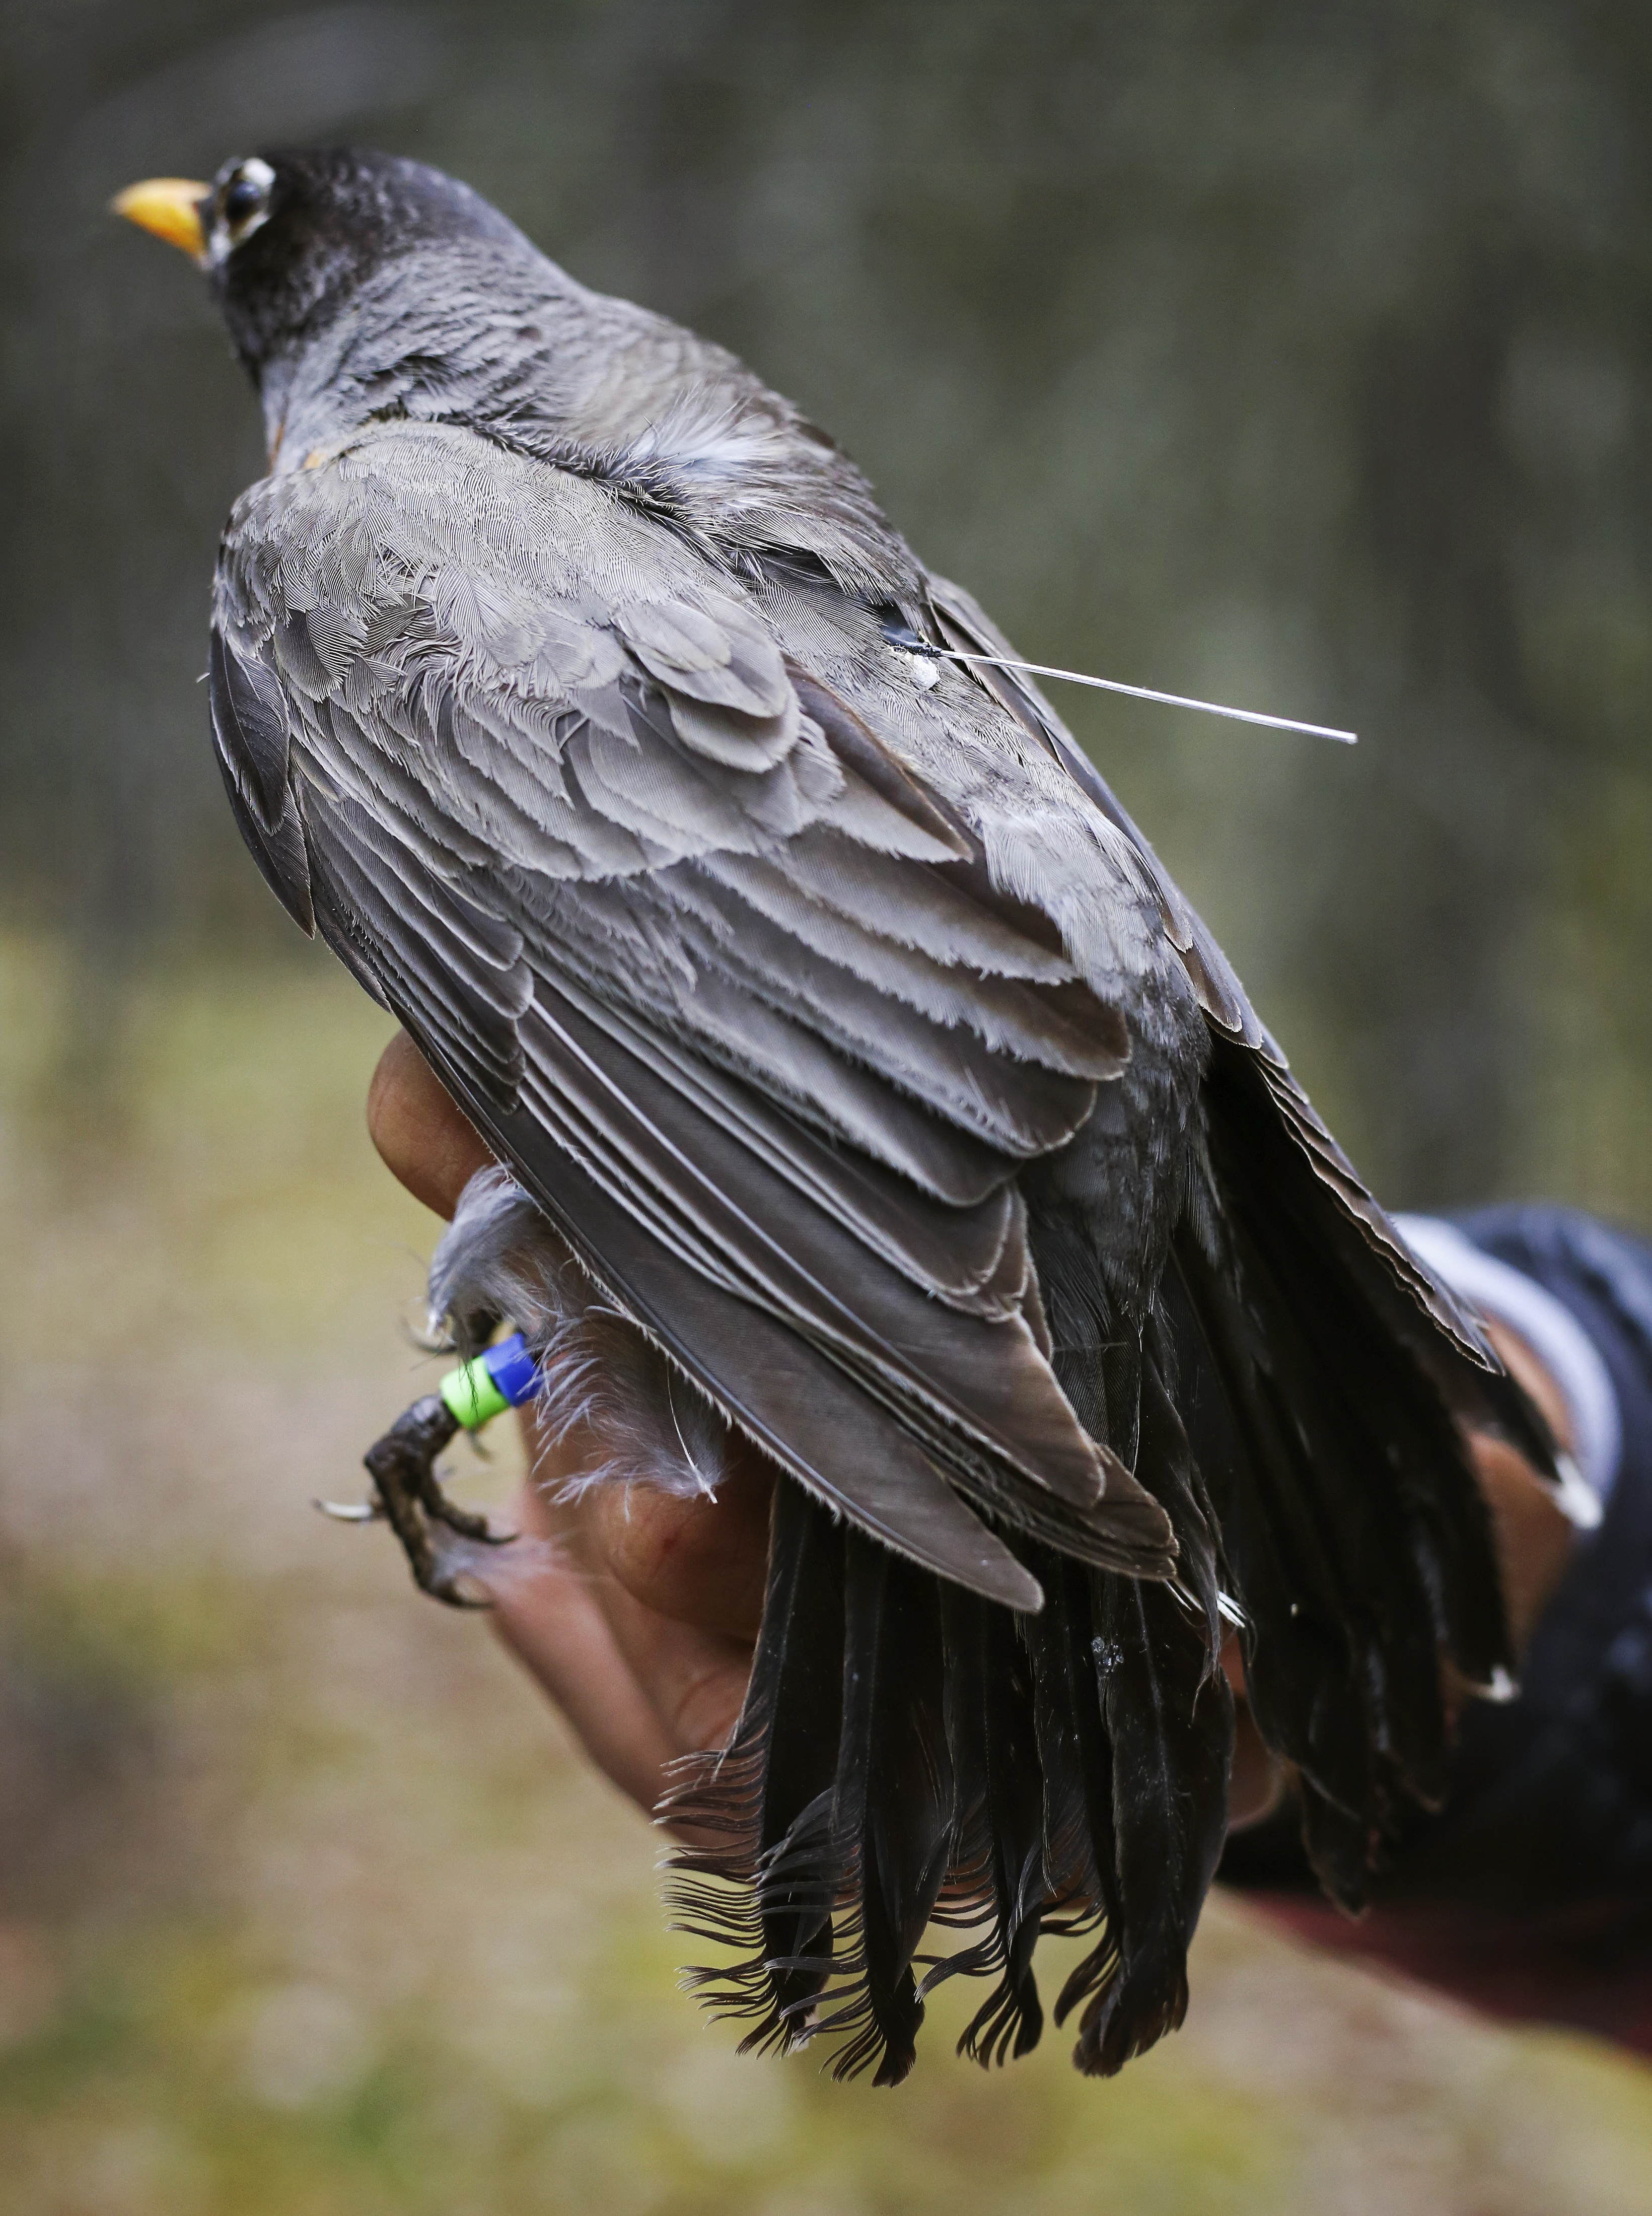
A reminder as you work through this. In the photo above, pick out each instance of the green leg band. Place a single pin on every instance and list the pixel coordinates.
(472, 1397)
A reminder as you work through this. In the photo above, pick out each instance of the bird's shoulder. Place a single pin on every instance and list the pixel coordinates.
(550, 581)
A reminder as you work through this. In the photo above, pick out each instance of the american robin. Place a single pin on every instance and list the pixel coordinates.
(867, 1093)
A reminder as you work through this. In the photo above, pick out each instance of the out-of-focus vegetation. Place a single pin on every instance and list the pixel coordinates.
(1292, 355)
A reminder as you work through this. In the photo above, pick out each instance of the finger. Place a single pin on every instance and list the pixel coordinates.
(695, 1681)
(703, 1562)
(692, 1658)
(679, 1583)
(1534, 1537)
(1257, 1778)
(636, 1689)
(423, 1139)
(549, 1615)
(1534, 1379)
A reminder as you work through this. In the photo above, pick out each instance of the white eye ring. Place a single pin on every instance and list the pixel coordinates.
(227, 234)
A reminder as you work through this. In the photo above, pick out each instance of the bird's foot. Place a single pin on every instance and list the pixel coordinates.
(408, 1494)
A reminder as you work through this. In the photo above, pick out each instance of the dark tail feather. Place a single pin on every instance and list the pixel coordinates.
(1076, 1753)
(1167, 1713)
(834, 1802)
(771, 1890)
(1349, 1517)
(892, 1809)
(911, 1752)
(996, 1872)
(1302, 1674)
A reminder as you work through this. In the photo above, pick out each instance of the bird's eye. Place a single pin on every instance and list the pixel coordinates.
(243, 201)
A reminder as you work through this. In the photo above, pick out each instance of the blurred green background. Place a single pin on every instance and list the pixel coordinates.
(1294, 355)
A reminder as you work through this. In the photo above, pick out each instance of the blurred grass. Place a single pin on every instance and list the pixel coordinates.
(305, 1905)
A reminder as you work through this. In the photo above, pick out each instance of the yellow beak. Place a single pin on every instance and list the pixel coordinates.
(170, 208)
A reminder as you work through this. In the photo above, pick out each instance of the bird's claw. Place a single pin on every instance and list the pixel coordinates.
(408, 1494)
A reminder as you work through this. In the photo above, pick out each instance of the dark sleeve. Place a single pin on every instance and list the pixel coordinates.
(1548, 1829)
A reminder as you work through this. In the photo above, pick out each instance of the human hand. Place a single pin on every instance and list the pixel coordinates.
(639, 1614)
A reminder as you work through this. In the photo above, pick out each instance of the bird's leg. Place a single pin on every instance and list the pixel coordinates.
(407, 1492)
(402, 1466)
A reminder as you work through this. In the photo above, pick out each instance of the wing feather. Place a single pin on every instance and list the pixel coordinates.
(727, 983)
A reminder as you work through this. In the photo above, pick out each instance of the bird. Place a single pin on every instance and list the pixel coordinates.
(865, 1094)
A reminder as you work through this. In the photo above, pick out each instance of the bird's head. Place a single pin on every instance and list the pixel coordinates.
(287, 239)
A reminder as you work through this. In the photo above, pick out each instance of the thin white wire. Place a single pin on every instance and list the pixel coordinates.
(1145, 693)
